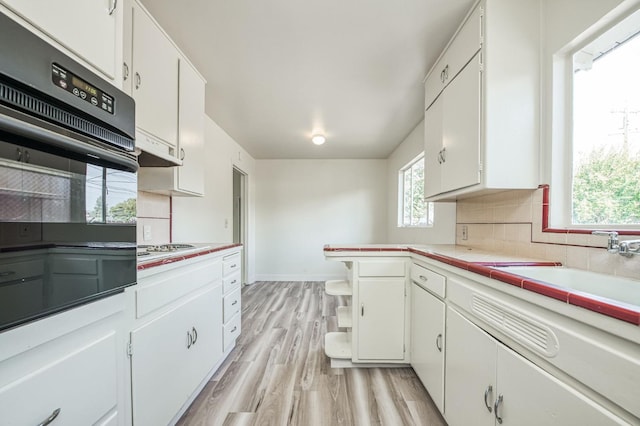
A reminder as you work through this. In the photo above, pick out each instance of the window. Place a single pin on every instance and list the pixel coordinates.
(413, 210)
(605, 188)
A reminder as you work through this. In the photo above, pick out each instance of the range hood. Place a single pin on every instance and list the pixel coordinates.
(153, 152)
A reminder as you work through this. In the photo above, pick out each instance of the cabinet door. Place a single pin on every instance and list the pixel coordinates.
(191, 130)
(433, 145)
(533, 397)
(82, 385)
(461, 129)
(381, 319)
(155, 79)
(86, 28)
(427, 342)
(172, 354)
(470, 371)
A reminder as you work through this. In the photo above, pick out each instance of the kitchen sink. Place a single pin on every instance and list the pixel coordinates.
(621, 289)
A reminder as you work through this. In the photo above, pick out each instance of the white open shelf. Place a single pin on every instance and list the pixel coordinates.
(345, 319)
(337, 288)
(337, 345)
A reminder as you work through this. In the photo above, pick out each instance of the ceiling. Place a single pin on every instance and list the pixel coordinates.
(279, 71)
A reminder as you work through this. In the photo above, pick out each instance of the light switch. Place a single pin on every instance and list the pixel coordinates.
(146, 232)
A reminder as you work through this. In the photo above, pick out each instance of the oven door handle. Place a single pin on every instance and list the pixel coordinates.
(49, 137)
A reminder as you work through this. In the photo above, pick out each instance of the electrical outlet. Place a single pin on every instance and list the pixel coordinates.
(465, 232)
(146, 232)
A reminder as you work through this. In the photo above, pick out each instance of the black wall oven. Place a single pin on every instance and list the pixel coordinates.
(67, 181)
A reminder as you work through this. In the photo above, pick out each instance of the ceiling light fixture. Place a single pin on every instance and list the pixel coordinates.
(318, 139)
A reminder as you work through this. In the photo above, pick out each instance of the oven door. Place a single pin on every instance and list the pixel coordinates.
(67, 225)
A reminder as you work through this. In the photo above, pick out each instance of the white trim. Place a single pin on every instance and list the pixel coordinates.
(298, 277)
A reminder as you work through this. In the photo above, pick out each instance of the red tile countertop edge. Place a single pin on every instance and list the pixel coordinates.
(539, 287)
(178, 258)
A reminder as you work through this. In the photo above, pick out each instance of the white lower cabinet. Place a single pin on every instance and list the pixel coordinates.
(381, 317)
(172, 354)
(487, 383)
(68, 367)
(427, 342)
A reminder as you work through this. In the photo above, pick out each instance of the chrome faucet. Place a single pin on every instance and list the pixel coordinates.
(613, 242)
(627, 248)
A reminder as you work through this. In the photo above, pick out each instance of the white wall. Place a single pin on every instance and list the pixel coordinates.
(443, 231)
(209, 218)
(301, 205)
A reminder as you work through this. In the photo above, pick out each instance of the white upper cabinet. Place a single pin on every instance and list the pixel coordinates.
(90, 30)
(482, 104)
(187, 179)
(154, 77)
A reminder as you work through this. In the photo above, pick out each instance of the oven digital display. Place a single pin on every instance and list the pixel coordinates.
(80, 88)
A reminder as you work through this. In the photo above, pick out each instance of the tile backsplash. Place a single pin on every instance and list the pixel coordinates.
(154, 218)
(511, 222)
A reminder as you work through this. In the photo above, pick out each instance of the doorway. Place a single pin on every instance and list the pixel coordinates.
(239, 218)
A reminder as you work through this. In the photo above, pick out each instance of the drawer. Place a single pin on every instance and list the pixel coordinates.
(231, 304)
(231, 282)
(231, 331)
(429, 280)
(159, 290)
(461, 49)
(19, 270)
(230, 264)
(381, 268)
(86, 383)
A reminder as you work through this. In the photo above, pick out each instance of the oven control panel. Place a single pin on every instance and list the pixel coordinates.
(80, 88)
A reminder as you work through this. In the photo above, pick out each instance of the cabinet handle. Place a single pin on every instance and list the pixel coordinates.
(18, 154)
(125, 71)
(182, 154)
(195, 335)
(234, 281)
(446, 72)
(442, 155)
(495, 409)
(113, 7)
(27, 156)
(362, 310)
(189, 340)
(423, 278)
(487, 391)
(234, 266)
(51, 418)
(439, 342)
(235, 327)
(138, 80)
(235, 302)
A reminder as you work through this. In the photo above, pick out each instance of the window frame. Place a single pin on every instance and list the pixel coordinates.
(429, 208)
(560, 147)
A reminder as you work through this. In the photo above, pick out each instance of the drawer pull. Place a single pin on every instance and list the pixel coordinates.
(235, 327)
(234, 266)
(195, 335)
(235, 302)
(189, 340)
(423, 278)
(487, 391)
(7, 274)
(234, 281)
(362, 310)
(51, 418)
(439, 342)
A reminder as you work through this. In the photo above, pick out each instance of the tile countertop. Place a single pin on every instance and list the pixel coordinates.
(483, 262)
(177, 256)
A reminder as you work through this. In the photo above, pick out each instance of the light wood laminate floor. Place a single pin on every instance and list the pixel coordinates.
(278, 373)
